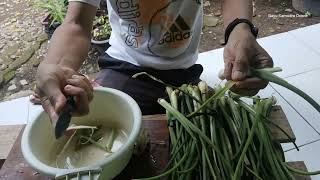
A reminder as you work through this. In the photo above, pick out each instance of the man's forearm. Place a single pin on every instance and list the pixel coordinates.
(69, 46)
(233, 9)
(70, 43)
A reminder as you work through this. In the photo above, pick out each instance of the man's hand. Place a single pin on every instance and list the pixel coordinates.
(241, 53)
(54, 83)
(57, 76)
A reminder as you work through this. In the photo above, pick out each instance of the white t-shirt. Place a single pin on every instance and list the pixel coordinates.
(162, 34)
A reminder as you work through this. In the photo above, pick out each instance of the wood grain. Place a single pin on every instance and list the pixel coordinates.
(8, 136)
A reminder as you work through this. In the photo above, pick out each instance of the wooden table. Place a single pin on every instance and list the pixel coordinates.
(152, 162)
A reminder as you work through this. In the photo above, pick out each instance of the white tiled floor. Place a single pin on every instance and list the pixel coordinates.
(18, 111)
(307, 36)
(307, 82)
(14, 112)
(290, 54)
(308, 154)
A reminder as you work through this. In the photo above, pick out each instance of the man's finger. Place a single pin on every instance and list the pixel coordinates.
(240, 67)
(48, 107)
(79, 82)
(52, 90)
(81, 98)
(228, 58)
(35, 99)
(228, 70)
(84, 78)
(251, 83)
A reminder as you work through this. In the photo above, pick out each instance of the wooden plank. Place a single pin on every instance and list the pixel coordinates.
(15, 167)
(279, 118)
(154, 117)
(8, 136)
(301, 166)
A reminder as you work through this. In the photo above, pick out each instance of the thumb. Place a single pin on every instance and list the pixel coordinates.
(53, 105)
(57, 99)
(53, 99)
(240, 67)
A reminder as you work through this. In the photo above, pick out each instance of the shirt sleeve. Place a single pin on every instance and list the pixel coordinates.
(95, 3)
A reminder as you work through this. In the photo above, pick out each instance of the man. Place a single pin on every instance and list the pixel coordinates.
(160, 37)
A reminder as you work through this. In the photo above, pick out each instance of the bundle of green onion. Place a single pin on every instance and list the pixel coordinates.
(214, 134)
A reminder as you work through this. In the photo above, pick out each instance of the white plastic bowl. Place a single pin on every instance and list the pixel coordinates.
(109, 105)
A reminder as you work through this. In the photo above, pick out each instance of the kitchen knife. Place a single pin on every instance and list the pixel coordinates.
(65, 117)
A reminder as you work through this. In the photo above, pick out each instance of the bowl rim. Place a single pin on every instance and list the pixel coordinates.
(52, 171)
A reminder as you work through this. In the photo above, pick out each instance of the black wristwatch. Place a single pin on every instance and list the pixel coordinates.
(234, 23)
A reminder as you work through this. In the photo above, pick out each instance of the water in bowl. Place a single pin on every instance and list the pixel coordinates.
(71, 158)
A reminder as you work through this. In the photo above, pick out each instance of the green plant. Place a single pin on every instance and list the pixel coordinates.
(308, 14)
(215, 134)
(56, 8)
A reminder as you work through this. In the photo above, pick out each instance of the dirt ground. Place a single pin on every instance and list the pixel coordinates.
(212, 37)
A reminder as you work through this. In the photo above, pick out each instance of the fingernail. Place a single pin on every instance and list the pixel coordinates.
(67, 87)
(238, 75)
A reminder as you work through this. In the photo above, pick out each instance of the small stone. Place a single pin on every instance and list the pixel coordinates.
(288, 10)
(280, 23)
(13, 81)
(210, 32)
(20, 70)
(3, 67)
(23, 82)
(12, 87)
(209, 20)
(278, 27)
(207, 3)
(1, 61)
(218, 13)
(271, 30)
(13, 56)
(276, 11)
(303, 24)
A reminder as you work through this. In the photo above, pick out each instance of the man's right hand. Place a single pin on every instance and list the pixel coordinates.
(54, 83)
(57, 76)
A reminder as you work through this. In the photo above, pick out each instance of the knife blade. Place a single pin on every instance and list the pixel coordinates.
(65, 117)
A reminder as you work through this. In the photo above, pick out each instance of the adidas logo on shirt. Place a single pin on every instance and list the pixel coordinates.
(178, 31)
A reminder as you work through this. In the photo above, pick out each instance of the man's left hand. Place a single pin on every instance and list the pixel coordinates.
(241, 53)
